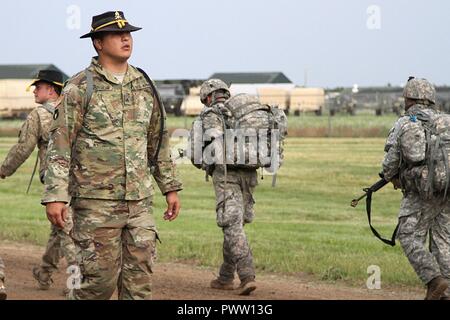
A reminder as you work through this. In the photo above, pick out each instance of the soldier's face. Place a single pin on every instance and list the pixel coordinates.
(42, 92)
(117, 45)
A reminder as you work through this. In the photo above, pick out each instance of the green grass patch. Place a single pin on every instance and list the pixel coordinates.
(303, 225)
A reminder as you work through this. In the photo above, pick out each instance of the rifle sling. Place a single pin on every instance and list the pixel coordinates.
(390, 242)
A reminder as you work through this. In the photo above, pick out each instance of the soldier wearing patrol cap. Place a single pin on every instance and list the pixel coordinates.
(108, 139)
(35, 131)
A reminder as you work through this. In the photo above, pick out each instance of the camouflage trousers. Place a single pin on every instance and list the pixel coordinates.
(234, 208)
(420, 220)
(2, 270)
(116, 246)
(60, 244)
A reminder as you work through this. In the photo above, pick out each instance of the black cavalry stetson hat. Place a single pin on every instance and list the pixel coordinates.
(51, 76)
(111, 21)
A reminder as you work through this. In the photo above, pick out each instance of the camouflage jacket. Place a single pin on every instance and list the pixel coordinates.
(392, 159)
(102, 151)
(35, 131)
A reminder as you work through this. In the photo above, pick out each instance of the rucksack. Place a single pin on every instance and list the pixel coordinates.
(254, 138)
(425, 151)
(258, 133)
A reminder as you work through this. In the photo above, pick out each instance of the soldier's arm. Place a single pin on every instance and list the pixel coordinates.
(165, 171)
(67, 122)
(19, 153)
(391, 161)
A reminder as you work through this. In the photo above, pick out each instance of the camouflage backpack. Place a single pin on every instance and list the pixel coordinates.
(257, 136)
(425, 151)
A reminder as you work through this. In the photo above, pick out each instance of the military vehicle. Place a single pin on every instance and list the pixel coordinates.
(307, 100)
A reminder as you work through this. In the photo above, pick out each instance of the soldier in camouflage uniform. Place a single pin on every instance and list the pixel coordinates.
(234, 198)
(419, 218)
(100, 153)
(2, 280)
(35, 131)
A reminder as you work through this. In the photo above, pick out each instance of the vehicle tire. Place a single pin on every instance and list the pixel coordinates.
(319, 112)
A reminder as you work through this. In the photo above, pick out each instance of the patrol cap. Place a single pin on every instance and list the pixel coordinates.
(51, 76)
(111, 21)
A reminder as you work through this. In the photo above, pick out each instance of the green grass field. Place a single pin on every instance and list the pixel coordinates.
(304, 225)
(307, 125)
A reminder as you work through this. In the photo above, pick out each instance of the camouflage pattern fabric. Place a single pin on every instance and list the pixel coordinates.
(211, 85)
(420, 89)
(418, 217)
(238, 210)
(35, 131)
(59, 245)
(98, 155)
(2, 270)
(106, 147)
(393, 146)
(116, 247)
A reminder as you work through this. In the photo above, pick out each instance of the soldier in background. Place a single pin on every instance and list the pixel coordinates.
(2, 280)
(35, 131)
(419, 217)
(234, 200)
(108, 130)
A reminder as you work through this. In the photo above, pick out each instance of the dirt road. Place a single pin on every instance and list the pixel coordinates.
(187, 282)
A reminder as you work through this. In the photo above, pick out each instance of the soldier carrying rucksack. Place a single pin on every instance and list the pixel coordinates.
(231, 138)
(417, 151)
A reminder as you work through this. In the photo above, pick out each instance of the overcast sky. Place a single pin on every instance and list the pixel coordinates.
(338, 43)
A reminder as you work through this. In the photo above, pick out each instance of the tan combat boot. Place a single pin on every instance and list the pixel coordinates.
(436, 288)
(247, 286)
(43, 278)
(3, 295)
(221, 285)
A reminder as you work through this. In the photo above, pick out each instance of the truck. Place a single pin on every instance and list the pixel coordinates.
(307, 100)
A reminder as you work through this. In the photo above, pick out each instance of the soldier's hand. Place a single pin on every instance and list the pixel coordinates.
(173, 206)
(56, 213)
(397, 184)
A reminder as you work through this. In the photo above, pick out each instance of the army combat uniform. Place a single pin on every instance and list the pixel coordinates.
(2, 280)
(234, 208)
(419, 218)
(99, 155)
(35, 131)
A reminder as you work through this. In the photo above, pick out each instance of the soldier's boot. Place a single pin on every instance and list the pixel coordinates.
(43, 278)
(247, 286)
(221, 284)
(3, 294)
(436, 288)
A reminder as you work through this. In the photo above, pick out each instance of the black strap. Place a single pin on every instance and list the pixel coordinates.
(375, 232)
(154, 160)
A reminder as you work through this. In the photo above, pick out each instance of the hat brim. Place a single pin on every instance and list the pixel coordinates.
(112, 28)
(48, 81)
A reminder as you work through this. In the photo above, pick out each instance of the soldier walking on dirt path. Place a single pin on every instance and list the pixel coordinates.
(234, 197)
(108, 138)
(425, 208)
(35, 131)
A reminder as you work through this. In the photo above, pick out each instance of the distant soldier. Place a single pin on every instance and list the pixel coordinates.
(109, 137)
(417, 161)
(234, 199)
(2, 280)
(35, 131)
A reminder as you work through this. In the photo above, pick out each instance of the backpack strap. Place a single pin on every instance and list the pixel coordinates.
(89, 87)
(154, 160)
